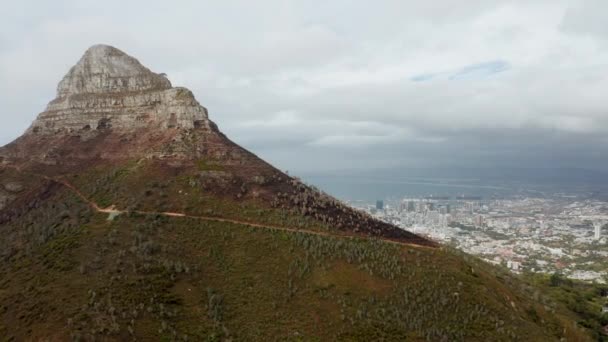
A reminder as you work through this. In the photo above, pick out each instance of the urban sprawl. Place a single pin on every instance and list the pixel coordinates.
(565, 235)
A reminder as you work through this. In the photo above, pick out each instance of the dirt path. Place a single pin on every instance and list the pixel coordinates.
(113, 210)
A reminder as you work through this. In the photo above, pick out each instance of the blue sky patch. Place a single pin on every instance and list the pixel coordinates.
(423, 77)
(469, 72)
(480, 70)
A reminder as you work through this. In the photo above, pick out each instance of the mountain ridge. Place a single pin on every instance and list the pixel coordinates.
(110, 109)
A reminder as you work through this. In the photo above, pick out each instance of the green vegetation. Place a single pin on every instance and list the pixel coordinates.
(205, 165)
(146, 186)
(583, 299)
(71, 273)
(492, 234)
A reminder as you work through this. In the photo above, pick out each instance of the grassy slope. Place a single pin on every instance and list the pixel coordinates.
(73, 273)
(152, 186)
(584, 299)
(256, 193)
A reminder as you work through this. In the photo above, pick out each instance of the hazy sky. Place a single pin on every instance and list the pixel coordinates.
(329, 85)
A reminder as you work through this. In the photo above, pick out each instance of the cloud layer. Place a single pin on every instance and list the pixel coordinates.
(316, 86)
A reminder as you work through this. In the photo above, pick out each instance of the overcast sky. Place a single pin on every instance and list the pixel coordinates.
(314, 86)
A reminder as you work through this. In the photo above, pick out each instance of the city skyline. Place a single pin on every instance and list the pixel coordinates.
(539, 235)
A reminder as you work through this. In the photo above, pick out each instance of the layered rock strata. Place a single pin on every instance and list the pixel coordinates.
(108, 89)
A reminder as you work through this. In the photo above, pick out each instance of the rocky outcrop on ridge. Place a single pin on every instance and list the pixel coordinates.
(110, 106)
(108, 89)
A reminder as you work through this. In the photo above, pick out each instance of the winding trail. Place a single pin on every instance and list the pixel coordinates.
(113, 210)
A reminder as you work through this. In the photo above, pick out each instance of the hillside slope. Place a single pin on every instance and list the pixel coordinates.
(74, 272)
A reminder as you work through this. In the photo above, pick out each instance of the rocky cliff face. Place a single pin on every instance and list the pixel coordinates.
(109, 106)
(105, 69)
(108, 89)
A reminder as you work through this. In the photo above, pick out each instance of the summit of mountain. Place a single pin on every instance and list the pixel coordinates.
(105, 69)
(108, 89)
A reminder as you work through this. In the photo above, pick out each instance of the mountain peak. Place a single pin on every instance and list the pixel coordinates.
(108, 90)
(106, 69)
(104, 50)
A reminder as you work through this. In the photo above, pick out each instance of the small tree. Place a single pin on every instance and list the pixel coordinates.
(556, 279)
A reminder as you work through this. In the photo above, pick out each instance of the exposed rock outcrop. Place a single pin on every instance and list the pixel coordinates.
(105, 69)
(111, 107)
(108, 89)
(13, 186)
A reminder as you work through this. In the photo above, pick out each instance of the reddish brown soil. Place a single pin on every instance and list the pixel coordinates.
(175, 151)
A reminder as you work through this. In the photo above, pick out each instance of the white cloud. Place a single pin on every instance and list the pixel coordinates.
(328, 78)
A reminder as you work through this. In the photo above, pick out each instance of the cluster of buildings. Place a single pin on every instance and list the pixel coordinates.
(562, 234)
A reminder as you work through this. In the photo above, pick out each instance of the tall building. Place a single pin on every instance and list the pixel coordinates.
(469, 207)
(479, 221)
(411, 207)
(598, 230)
(380, 204)
(448, 209)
